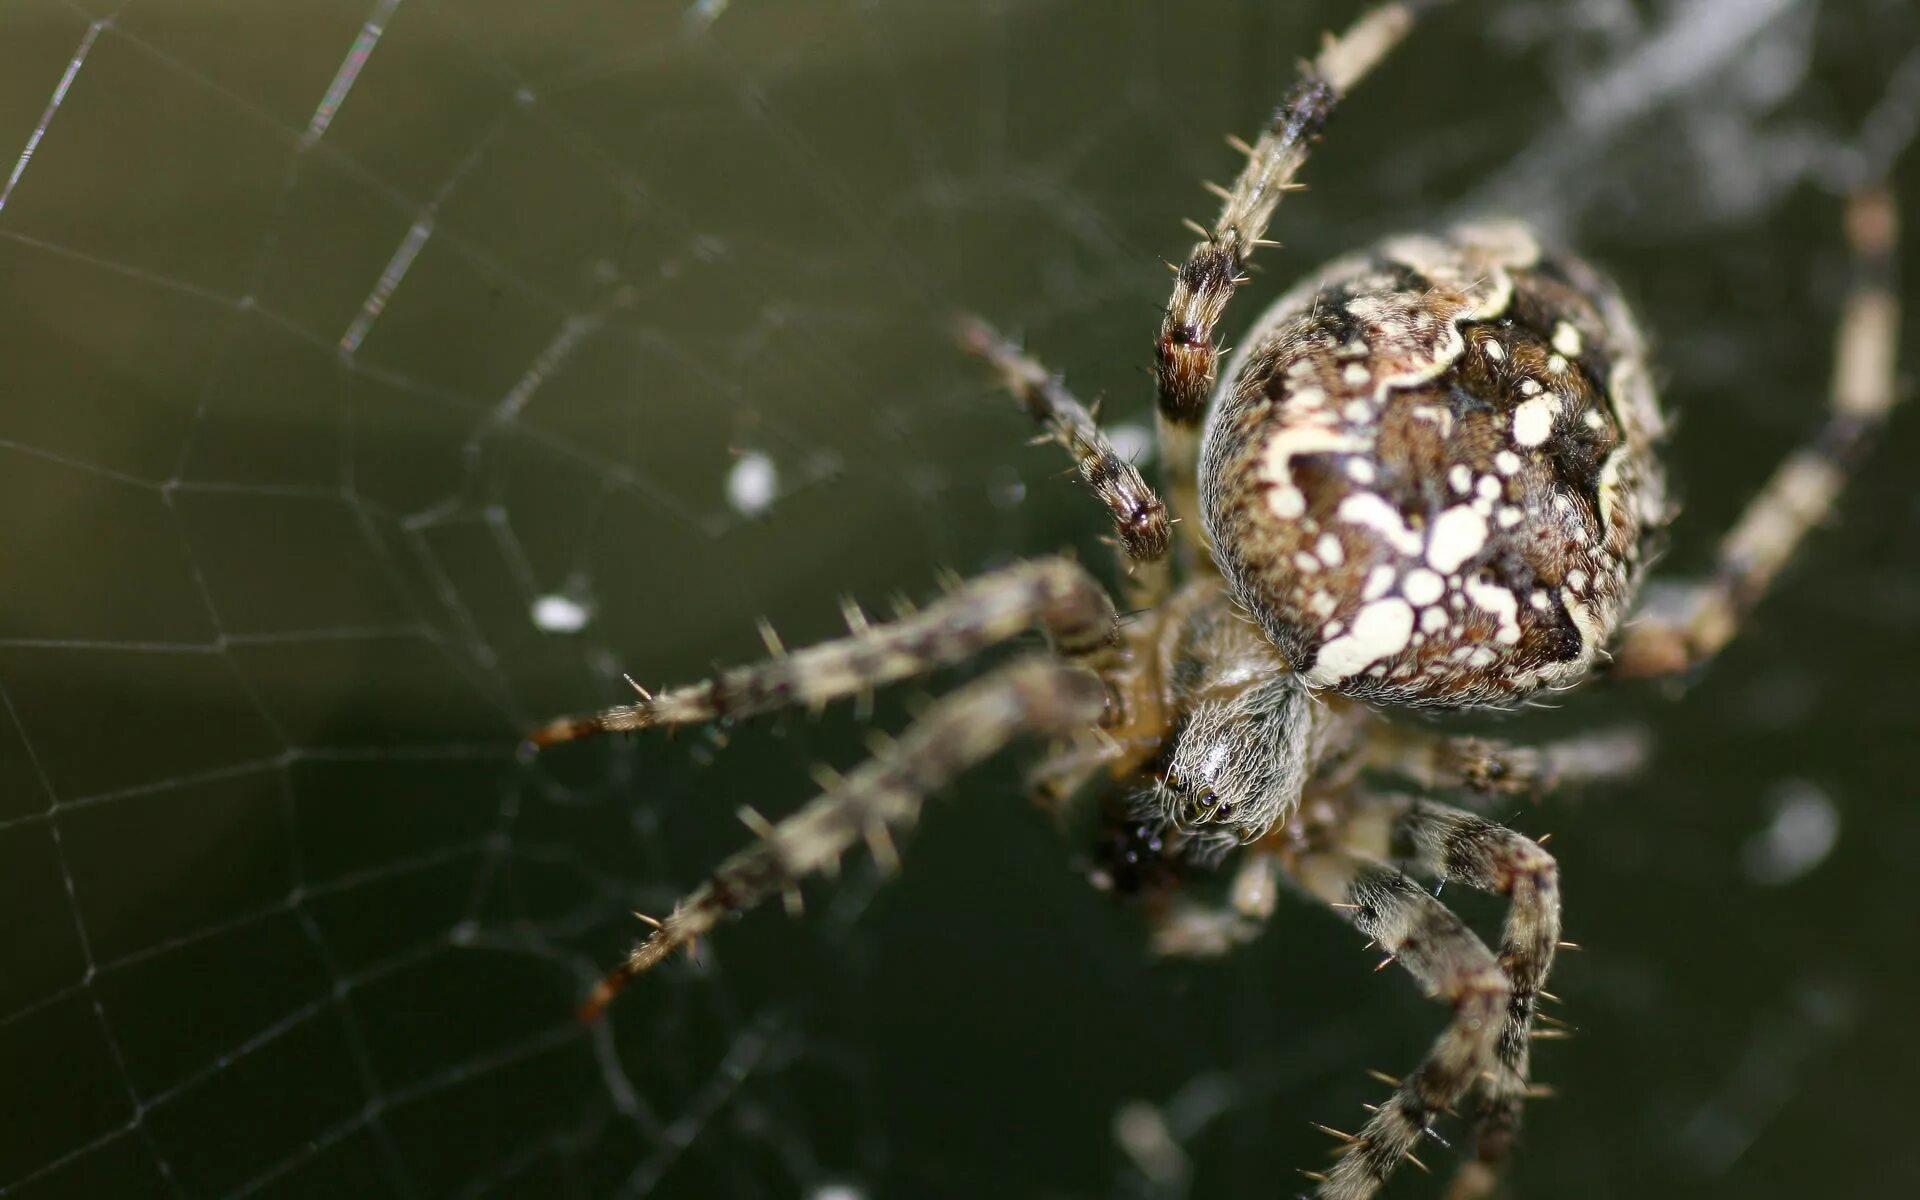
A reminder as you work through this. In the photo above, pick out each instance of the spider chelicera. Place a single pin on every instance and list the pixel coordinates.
(1427, 479)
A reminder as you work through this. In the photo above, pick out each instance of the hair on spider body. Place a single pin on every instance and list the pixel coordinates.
(1428, 479)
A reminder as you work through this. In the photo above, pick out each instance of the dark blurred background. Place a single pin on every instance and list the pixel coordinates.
(379, 377)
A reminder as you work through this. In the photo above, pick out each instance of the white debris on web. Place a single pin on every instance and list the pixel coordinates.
(1804, 827)
(753, 484)
(560, 614)
(1141, 1131)
(1005, 488)
(1131, 441)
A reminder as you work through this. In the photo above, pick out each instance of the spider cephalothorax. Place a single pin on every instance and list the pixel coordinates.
(1426, 481)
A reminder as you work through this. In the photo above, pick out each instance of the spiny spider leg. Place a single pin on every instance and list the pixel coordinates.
(1458, 847)
(1186, 358)
(1700, 619)
(883, 795)
(1053, 593)
(1139, 515)
(1451, 963)
(1486, 767)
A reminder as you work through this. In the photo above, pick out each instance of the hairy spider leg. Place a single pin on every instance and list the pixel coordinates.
(1451, 963)
(1456, 846)
(1186, 358)
(1487, 768)
(1486, 1046)
(876, 800)
(1139, 515)
(1054, 594)
(1694, 623)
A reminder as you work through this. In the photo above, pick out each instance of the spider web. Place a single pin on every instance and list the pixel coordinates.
(381, 377)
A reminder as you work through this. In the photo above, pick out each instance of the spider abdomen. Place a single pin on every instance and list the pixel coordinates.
(1430, 473)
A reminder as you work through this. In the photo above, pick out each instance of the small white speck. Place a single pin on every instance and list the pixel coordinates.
(1556, 363)
(1495, 350)
(1422, 586)
(1287, 502)
(753, 484)
(1144, 1137)
(1330, 550)
(560, 614)
(1369, 510)
(1594, 420)
(1507, 462)
(1312, 397)
(1530, 387)
(1437, 414)
(1804, 828)
(1134, 443)
(1360, 470)
(1458, 534)
(1005, 488)
(1433, 620)
(1508, 517)
(1577, 580)
(1356, 374)
(1461, 477)
(1566, 339)
(1379, 582)
(1500, 602)
(1488, 487)
(1307, 563)
(1533, 420)
(1357, 411)
(1380, 629)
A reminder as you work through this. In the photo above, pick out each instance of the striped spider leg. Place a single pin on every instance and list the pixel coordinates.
(1485, 1047)
(1052, 594)
(1036, 695)
(1687, 625)
(1488, 769)
(1186, 357)
(1141, 529)
(1058, 698)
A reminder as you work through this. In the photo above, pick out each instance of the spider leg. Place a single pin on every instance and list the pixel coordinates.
(1053, 593)
(1184, 928)
(1695, 622)
(1451, 963)
(1186, 358)
(1459, 847)
(883, 795)
(1488, 769)
(1139, 515)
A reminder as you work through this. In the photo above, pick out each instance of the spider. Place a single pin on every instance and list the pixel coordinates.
(1428, 479)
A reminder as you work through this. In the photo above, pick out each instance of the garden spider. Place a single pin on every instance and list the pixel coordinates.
(1428, 480)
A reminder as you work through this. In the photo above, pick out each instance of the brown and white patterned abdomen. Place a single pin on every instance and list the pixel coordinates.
(1430, 471)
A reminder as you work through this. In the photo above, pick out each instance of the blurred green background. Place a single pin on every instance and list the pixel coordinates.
(353, 351)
